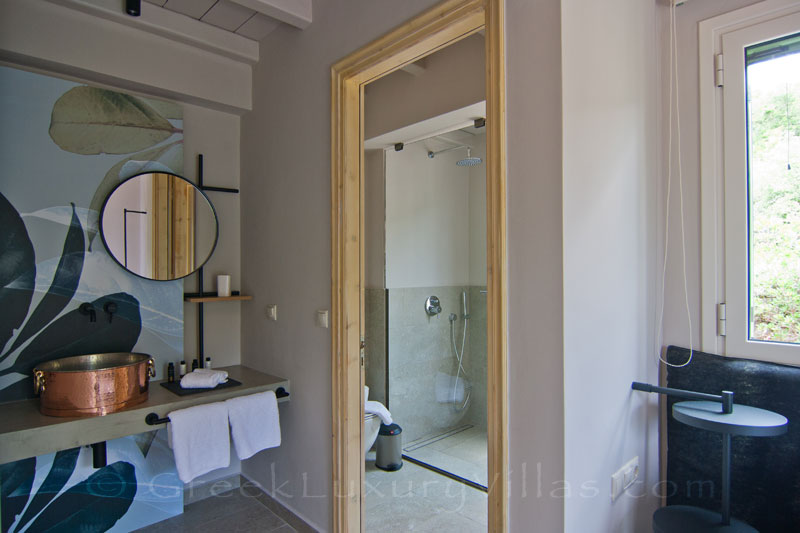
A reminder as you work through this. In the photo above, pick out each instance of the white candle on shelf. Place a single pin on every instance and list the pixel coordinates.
(223, 285)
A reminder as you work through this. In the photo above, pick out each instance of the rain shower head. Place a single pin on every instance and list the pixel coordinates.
(469, 161)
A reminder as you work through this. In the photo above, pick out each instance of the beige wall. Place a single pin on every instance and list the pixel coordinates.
(286, 225)
(453, 78)
(215, 134)
(535, 323)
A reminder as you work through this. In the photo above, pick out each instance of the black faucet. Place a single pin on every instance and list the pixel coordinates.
(88, 309)
(110, 308)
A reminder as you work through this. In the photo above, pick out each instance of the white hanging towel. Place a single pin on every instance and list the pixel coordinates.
(377, 408)
(255, 424)
(200, 439)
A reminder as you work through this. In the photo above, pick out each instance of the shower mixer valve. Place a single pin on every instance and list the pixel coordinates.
(432, 306)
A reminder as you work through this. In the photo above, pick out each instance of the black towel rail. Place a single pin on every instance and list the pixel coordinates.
(153, 419)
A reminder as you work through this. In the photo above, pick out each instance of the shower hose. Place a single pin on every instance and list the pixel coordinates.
(459, 357)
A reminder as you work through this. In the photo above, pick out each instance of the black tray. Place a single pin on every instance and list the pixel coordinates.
(175, 387)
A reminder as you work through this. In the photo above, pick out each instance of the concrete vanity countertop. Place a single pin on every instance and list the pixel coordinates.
(25, 432)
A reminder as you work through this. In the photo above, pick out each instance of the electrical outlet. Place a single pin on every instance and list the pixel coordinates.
(624, 477)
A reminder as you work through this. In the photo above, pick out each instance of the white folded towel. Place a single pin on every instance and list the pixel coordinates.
(200, 439)
(377, 408)
(255, 424)
(222, 373)
(203, 380)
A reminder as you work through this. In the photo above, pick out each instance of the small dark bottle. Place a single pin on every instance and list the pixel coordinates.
(171, 373)
(194, 365)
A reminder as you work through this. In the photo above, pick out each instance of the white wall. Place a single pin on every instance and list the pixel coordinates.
(375, 219)
(477, 214)
(610, 248)
(286, 225)
(427, 219)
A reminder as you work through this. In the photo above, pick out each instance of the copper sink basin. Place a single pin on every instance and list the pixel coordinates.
(92, 385)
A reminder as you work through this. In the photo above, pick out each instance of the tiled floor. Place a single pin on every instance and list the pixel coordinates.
(243, 510)
(462, 453)
(417, 499)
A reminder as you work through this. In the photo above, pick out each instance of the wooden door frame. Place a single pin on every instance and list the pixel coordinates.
(432, 30)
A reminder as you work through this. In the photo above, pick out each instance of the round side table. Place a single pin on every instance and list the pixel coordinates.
(745, 421)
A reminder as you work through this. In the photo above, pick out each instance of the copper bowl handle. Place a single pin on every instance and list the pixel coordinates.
(151, 368)
(38, 382)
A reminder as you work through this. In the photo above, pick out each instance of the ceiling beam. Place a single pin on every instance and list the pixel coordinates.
(296, 13)
(171, 25)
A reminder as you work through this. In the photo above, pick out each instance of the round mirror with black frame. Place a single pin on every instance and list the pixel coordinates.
(159, 226)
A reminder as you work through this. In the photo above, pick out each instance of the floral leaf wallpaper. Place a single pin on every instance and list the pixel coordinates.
(17, 270)
(63, 466)
(61, 290)
(88, 120)
(64, 147)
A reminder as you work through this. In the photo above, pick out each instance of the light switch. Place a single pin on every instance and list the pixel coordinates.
(272, 312)
(624, 477)
(322, 318)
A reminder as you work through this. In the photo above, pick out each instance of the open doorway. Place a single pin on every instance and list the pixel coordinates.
(425, 305)
(446, 24)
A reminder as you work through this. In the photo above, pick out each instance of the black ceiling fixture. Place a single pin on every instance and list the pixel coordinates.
(133, 7)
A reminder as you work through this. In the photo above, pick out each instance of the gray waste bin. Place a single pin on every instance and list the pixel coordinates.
(390, 448)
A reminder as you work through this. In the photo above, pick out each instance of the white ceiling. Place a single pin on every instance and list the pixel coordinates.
(225, 14)
(446, 125)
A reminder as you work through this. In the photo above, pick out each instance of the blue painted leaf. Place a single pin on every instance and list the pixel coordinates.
(144, 441)
(74, 334)
(65, 281)
(17, 478)
(93, 505)
(63, 466)
(17, 270)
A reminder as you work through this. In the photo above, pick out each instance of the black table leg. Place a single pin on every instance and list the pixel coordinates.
(726, 479)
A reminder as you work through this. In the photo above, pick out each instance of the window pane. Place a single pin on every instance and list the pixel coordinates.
(773, 117)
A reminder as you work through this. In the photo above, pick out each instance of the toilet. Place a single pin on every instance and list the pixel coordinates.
(372, 424)
(372, 420)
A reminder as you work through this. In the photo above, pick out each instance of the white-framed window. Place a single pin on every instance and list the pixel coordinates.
(750, 182)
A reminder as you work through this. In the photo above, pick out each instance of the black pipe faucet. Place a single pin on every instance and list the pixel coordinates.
(110, 308)
(88, 309)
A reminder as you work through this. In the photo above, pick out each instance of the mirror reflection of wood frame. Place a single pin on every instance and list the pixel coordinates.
(176, 234)
(173, 228)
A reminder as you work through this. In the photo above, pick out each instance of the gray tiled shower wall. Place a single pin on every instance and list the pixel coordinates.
(420, 357)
